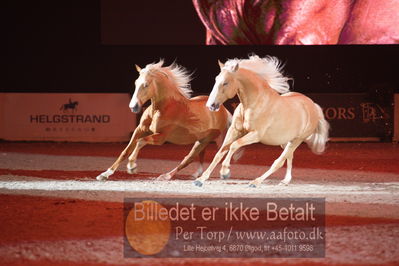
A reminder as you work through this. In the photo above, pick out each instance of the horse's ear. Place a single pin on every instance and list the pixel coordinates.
(235, 68)
(138, 68)
(220, 64)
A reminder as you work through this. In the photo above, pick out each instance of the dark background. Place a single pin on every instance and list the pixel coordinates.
(58, 46)
(166, 22)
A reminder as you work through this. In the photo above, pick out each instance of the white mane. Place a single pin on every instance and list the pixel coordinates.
(180, 76)
(269, 68)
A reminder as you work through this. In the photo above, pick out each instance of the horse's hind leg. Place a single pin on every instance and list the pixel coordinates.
(279, 162)
(288, 175)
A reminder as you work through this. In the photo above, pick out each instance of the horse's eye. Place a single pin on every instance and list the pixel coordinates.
(145, 85)
(225, 84)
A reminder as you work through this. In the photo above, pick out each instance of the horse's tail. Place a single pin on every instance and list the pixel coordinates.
(317, 141)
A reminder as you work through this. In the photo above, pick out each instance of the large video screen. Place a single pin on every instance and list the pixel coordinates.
(249, 22)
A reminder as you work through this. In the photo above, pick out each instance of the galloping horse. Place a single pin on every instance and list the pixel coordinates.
(172, 116)
(264, 115)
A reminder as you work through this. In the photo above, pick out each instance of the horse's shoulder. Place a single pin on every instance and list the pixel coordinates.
(147, 115)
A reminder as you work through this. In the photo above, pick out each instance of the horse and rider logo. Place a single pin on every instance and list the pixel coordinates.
(70, 106)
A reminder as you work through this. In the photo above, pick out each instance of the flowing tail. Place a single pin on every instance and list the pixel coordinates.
(317, 141)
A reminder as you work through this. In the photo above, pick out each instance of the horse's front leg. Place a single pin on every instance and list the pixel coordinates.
(153, 139)
(132, 165)
(232, 135)
(139, 132)
(200, 169)
(197, 149)
(251, 137)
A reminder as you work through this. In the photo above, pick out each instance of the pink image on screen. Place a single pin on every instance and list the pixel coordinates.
(290, 22)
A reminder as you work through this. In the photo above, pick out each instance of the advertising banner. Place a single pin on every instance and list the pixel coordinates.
(94, 117)
(357, 116)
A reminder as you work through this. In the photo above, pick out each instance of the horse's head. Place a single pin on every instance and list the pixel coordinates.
(159, 83)
(144, 89)
(225, 86)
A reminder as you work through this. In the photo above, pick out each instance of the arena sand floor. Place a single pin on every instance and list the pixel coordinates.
(54, 212)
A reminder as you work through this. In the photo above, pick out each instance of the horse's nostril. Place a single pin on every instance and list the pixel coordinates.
(135, 108)
(214, 107)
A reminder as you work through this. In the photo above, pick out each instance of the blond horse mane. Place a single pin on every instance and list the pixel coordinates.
(178, 74)
(268, 68)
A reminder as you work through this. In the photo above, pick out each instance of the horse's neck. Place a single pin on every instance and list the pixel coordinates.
(253, 91)
(166, 94)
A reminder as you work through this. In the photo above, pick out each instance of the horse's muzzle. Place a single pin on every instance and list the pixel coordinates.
(214, 107)
(136, 108)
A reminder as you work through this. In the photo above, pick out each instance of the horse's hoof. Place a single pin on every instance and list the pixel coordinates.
(225, 176)
(132, 171)
(101, 178)
(252, 185)
(164, 177)
(196, 175)
(282, 183)
(198, 183)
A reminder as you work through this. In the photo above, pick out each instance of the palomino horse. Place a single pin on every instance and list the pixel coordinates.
(172, 116)
(264, 115)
